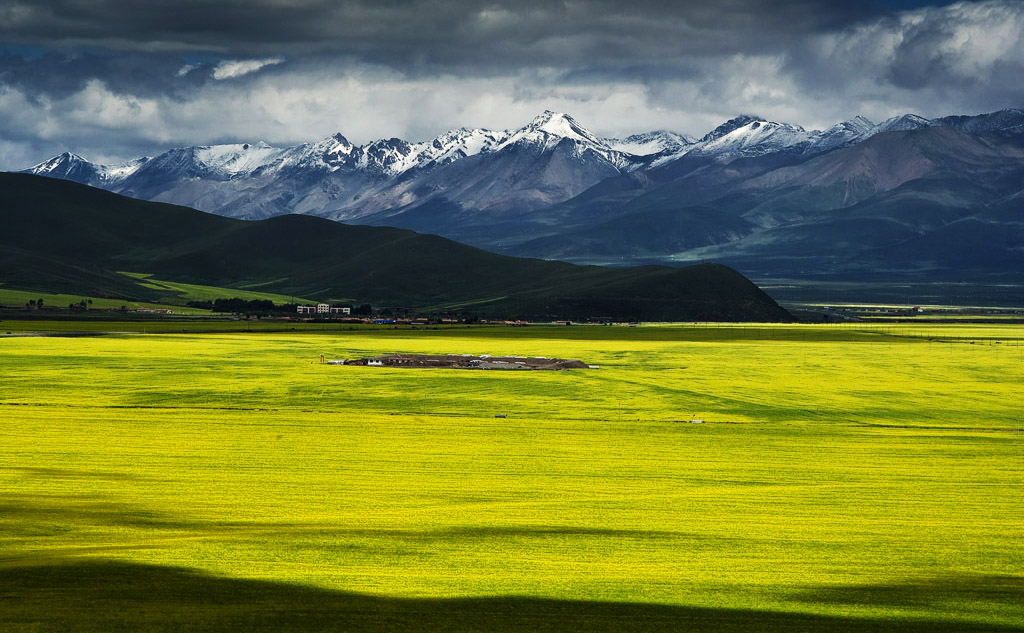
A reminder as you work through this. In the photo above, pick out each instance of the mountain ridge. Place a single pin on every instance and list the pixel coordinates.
(554, 183)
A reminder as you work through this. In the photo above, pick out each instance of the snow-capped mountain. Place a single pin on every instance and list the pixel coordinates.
(466, 180)
(753, 136)
(768, 197)
(902, 123)
(68, 166)
(749, 136)
(549, 128)
(388, 158)
(843, 133)
(334, 178)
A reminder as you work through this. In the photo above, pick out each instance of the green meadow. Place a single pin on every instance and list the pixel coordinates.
(844, 478)
(163, 294)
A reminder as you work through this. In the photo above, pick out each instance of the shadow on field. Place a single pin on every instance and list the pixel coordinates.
(995, 591)
(114, 596)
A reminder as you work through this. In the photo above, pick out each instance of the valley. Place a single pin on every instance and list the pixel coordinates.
(511, 317)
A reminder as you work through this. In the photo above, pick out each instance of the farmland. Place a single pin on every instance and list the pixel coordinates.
(845, 478)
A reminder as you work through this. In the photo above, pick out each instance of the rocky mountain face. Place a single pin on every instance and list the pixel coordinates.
(769, 197)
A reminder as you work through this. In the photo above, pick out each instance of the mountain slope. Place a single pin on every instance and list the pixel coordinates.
(549, 160)
(850, 207)
(751, 192)
(70, 237)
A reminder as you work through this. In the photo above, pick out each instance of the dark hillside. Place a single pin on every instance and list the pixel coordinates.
(63, 236)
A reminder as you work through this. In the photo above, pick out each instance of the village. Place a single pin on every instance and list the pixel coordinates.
(464, 361)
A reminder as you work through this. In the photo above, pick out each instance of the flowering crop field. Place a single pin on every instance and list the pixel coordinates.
(844, 478)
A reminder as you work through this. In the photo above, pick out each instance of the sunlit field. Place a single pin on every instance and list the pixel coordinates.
(844, 478)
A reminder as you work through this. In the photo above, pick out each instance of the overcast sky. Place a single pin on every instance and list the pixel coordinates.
(115, 79)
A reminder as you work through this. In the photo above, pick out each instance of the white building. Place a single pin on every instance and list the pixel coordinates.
(323, 308)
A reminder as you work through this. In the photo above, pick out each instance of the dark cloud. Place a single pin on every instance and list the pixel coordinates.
(116, 79)
(429, 33)
(964, 56)
(58, 74)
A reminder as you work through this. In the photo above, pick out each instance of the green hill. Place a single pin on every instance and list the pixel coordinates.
(63, 237)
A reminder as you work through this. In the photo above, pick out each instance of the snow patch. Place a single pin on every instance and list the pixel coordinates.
(235, 159)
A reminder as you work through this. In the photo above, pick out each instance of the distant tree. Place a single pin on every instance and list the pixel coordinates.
(39, 303)
(241, 306)
(31, 303)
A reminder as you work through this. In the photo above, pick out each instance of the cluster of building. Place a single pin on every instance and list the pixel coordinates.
(464, 361)
(324, 308)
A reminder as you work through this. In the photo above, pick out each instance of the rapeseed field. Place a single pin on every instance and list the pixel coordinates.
(844, 478)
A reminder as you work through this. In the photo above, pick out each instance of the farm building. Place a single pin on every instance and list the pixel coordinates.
(323, 308)
(468, 361)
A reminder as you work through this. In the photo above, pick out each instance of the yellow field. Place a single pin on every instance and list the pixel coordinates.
(846, 478)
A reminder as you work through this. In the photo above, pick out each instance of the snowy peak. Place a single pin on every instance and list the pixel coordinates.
(730, 126)
(650, 143)
(549, 128)
(461, 143)
(117, 173)
(339, 145)
(56, 162)
(217, 162)
(853, 127)
(60, 165)
(236, 159)
(857, 124)
(393, 156)
(69, 166)
(902, 123)
(563, 125)
(388, 156)
(753, 136)
(843, 133)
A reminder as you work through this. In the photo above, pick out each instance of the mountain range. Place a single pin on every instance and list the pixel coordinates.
(68, 238)
(936, 198)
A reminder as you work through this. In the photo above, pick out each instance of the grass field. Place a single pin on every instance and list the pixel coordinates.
(846, 478)
(10, 297)
(167, 295)
(179, 293)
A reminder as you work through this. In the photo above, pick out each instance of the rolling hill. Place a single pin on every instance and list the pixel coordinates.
(63, 236)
